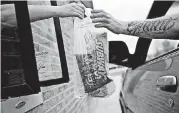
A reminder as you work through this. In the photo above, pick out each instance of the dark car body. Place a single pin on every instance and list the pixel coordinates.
(151, 86)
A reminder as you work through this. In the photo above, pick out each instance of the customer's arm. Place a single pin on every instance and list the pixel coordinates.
(39, 12)
(165, 27)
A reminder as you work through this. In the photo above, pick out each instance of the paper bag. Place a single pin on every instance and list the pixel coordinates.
(91, 53)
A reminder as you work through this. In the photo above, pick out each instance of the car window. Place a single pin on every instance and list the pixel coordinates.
(159, 47)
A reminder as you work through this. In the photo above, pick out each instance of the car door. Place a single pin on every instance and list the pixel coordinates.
(153, 87)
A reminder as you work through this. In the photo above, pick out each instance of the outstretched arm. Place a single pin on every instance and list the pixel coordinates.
(166, 27)
(39, 12)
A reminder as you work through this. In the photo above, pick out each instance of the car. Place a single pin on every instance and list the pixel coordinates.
(151, 83)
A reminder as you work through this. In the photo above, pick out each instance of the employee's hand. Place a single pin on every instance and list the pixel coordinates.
(40, 12)
(103, 19)
(72, 10)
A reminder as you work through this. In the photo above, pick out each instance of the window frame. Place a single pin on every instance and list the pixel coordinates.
(61, 49)
(31, 85)
(143, 44)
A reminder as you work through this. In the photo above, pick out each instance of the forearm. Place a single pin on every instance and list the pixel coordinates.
(43, 12)
(8, 17)
(166, 27)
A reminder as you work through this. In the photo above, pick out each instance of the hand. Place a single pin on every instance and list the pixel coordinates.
(72, 10)
(105, 20)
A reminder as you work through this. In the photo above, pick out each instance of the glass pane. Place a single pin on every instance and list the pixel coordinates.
(12, 65)
(46, 50)
(159, 47)
(18, 60)
(46, 47)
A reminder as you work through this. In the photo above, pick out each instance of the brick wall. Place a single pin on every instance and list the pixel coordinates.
(57, 98)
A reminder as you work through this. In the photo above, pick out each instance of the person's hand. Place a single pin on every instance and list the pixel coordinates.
(103, 19)
(72, 10)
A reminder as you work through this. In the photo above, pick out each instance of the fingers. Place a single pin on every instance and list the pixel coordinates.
(77, 7)
(79, 10)
(82, 7)
(78, 15)
(100, 20)
(101, 25)
(99, 15)
(97, 11)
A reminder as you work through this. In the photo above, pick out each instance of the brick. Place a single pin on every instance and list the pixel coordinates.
(52, 92)
(51, 87)
(43, 41)
(49, 22)
(57, 98)
(71, 107)
(67, 100)
(54, 110)
(43, 76)
(50, 37)
(50, 67)
(62, 2)
(36, 30)
(50, 31)
(63, 111)
(60, 106)
(40, 2)
(39, 31)
(39, 48)
(51, 102)
(47, 58)
(39, 24)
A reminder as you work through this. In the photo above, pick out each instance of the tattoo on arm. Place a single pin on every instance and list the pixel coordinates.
(151, 27)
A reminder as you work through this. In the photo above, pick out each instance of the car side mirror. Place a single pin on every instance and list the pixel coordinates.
(119, 53)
